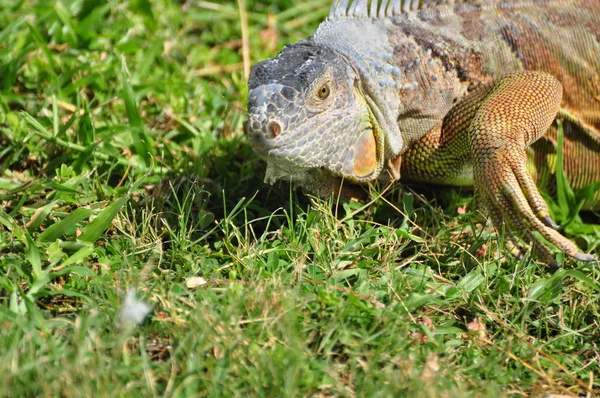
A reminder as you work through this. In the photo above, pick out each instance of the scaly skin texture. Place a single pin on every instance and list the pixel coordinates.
(465, 94)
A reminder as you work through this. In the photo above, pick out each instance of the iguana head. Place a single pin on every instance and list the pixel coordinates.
(309, 119)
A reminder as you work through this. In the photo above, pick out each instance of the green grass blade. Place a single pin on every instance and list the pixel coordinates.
(141, 142)
(565, 195)
(471, 281)
(40, 216)
(587, 192)
(64, 226)
(95, 229)
(85, 132)
(33, 256)
(78, 256)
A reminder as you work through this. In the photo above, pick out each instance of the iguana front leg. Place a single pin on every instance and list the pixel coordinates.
(489, 130)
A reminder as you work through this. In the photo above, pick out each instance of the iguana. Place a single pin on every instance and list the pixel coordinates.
(464, 93)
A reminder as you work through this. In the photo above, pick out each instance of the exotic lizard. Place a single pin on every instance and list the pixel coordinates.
(448, 92)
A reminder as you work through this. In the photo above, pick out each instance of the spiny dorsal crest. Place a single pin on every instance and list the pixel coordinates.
(381, 8)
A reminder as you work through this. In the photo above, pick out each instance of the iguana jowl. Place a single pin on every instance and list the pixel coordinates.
(459, 93)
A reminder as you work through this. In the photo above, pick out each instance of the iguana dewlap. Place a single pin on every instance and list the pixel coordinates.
(461, 93)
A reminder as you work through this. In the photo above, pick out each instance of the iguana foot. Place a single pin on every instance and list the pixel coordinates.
(515, 112)
(509, 193)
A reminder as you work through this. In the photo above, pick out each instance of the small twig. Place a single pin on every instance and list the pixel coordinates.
(211, 6)
(69, 107)
(245, 38)
(218, 69)
(122, 181)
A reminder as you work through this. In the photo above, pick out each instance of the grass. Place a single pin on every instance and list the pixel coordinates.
(123, 165)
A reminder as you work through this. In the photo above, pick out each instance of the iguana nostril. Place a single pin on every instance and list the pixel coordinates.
(274, 129)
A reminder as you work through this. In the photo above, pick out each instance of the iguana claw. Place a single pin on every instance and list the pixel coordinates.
(550, 222)
(585, 257)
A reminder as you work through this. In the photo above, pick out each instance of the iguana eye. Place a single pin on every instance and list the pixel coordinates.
(323, 91)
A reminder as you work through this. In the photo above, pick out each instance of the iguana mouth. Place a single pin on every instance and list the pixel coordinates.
(315, 180)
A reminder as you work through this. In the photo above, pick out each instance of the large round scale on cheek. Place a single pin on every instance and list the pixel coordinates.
(365, 155)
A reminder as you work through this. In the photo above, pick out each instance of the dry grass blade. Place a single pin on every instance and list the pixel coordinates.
(245, 38)
(218, 70)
